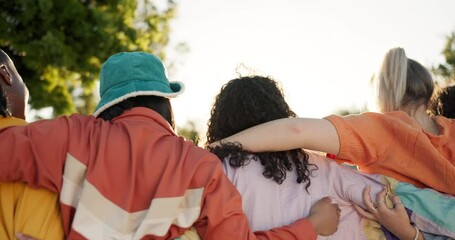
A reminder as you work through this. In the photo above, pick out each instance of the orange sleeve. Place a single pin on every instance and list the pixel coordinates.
(222, 216)
(363, 138)
(34, 212)
(35, 153)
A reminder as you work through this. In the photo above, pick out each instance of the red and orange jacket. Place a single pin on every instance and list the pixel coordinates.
(130, 178)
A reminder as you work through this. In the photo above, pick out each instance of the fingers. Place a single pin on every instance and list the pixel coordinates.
(21, 236)
(381, 197)
(398, 205)
(325, 199)
(363, 213)
(338, 209)
(334, 204)
(367, 199)
(395, 200)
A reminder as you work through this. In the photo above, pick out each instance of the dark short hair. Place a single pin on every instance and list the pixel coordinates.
(3, 104)
(160, 105)
(246, 102)
(444, 102)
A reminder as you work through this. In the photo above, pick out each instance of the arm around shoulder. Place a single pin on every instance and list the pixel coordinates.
(34, 153)
(289, 133)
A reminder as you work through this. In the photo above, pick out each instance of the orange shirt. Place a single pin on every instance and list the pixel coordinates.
(395, 145)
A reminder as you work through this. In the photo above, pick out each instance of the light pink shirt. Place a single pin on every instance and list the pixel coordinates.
(268, 204)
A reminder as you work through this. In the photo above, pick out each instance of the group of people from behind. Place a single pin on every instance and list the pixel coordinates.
(401, 142)
(124, 173)
(24, 209)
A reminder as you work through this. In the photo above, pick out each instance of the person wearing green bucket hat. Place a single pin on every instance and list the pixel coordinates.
(125, 174)
(125, 75)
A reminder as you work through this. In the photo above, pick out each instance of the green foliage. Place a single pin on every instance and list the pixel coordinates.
(58, 46)
(344, 112)
(189, 132)
(447, 70)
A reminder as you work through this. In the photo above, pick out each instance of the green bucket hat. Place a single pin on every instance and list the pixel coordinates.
(130, 74)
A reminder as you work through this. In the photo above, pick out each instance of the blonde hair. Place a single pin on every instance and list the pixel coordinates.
(402, 83)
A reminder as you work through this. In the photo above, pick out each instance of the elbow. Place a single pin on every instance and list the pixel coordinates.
(295, 131)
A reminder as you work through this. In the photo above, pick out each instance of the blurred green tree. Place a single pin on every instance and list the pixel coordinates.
(58, 46)
(447, 69)
(189, 132)
(349, 111)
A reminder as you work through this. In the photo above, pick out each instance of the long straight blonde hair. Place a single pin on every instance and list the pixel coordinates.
(402, 83)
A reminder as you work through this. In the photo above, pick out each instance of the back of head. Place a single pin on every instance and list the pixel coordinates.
(245, 102)
(4, 59)
(444, 102)
(402, 83)
(135, 79)
(14, 92)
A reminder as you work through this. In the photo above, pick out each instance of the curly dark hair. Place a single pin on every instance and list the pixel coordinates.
(243, 103)
(443, 103)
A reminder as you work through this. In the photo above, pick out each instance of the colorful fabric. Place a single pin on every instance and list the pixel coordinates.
(268, 204)
(23, 209)
(431, 211)
(417, 157)
(130, 178)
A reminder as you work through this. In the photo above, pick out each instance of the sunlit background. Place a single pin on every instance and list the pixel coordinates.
(323, 52)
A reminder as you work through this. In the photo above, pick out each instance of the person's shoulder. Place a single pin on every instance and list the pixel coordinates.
(441, 120)
(446, 125)
(11, 121)
(322, 162)
(81, 116)
(396, 114)
(356, 115)
(392, 118)
(364, 117)
(81, 119)
(196, 153)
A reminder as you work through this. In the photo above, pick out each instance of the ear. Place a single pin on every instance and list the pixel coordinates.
(4, 74)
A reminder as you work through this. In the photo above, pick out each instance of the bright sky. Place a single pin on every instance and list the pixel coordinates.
(322, 52)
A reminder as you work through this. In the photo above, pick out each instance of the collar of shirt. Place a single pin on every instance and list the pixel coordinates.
(144, 114)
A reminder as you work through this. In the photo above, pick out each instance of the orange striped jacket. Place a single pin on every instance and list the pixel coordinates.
(130, 178)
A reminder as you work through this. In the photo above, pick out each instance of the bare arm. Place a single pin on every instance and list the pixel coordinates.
(289, 133)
